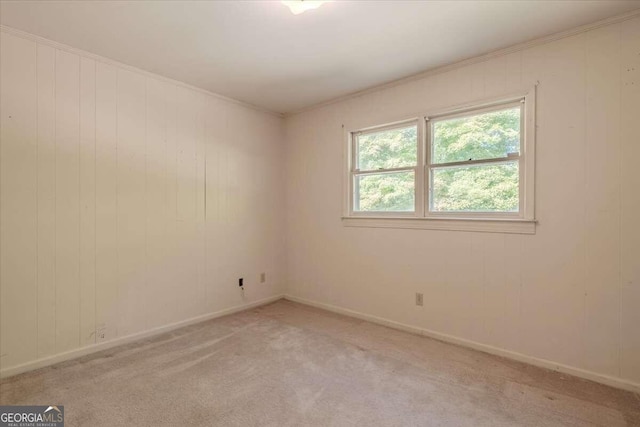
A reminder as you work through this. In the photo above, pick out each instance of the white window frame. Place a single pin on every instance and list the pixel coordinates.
(417, 169)
(522, 221)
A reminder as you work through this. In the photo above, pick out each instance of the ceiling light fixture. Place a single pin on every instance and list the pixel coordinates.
(300, 6)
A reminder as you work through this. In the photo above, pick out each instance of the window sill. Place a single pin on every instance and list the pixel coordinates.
(511, 226)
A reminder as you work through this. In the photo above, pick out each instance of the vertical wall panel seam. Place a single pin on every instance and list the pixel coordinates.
(196, 141)
(198, 144)
(95, 198)
(521, 286)
(37, 206)
(585, 185)
(117, 275)
(166, 90)
(80, 201)
(520, 327)
(519, 238)
(55, 198)
(205, 228)
(146, 197)
(620, 197)
(1, 223)
(1, 202)
(176, 148)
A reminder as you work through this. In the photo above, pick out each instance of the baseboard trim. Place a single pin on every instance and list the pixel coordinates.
(543, 363)
(94, 348)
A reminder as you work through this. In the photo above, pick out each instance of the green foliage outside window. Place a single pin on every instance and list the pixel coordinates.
(487, 188)
(480, 188)
(386, 150)
(387, 192)
(484, 136)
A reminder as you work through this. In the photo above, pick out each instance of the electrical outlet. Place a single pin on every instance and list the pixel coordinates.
(263, 277)
(419, 299)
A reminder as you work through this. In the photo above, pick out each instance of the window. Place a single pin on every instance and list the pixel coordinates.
(474, 161)
(471, 163)
(385, 169)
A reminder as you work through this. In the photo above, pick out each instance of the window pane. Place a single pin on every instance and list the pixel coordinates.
(480, 188)
(482, 136)
(392, 148)
(392, 192)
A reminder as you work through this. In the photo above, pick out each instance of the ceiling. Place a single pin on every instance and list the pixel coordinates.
(260, 53)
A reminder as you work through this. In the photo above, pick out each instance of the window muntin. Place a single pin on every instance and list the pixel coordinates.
(384, 169)
(475, 160)
(491, 168)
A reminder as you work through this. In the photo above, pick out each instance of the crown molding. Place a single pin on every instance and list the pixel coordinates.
(83, 53)
(423, 74)
(472, 60)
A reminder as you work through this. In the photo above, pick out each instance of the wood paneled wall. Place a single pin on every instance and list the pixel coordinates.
(127, 202)
(570, 294)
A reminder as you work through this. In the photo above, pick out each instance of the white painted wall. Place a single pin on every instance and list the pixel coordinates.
(104, 226)
(128, 202)
(569, 294)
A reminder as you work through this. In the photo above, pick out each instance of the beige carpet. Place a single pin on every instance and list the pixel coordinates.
(286, 364)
